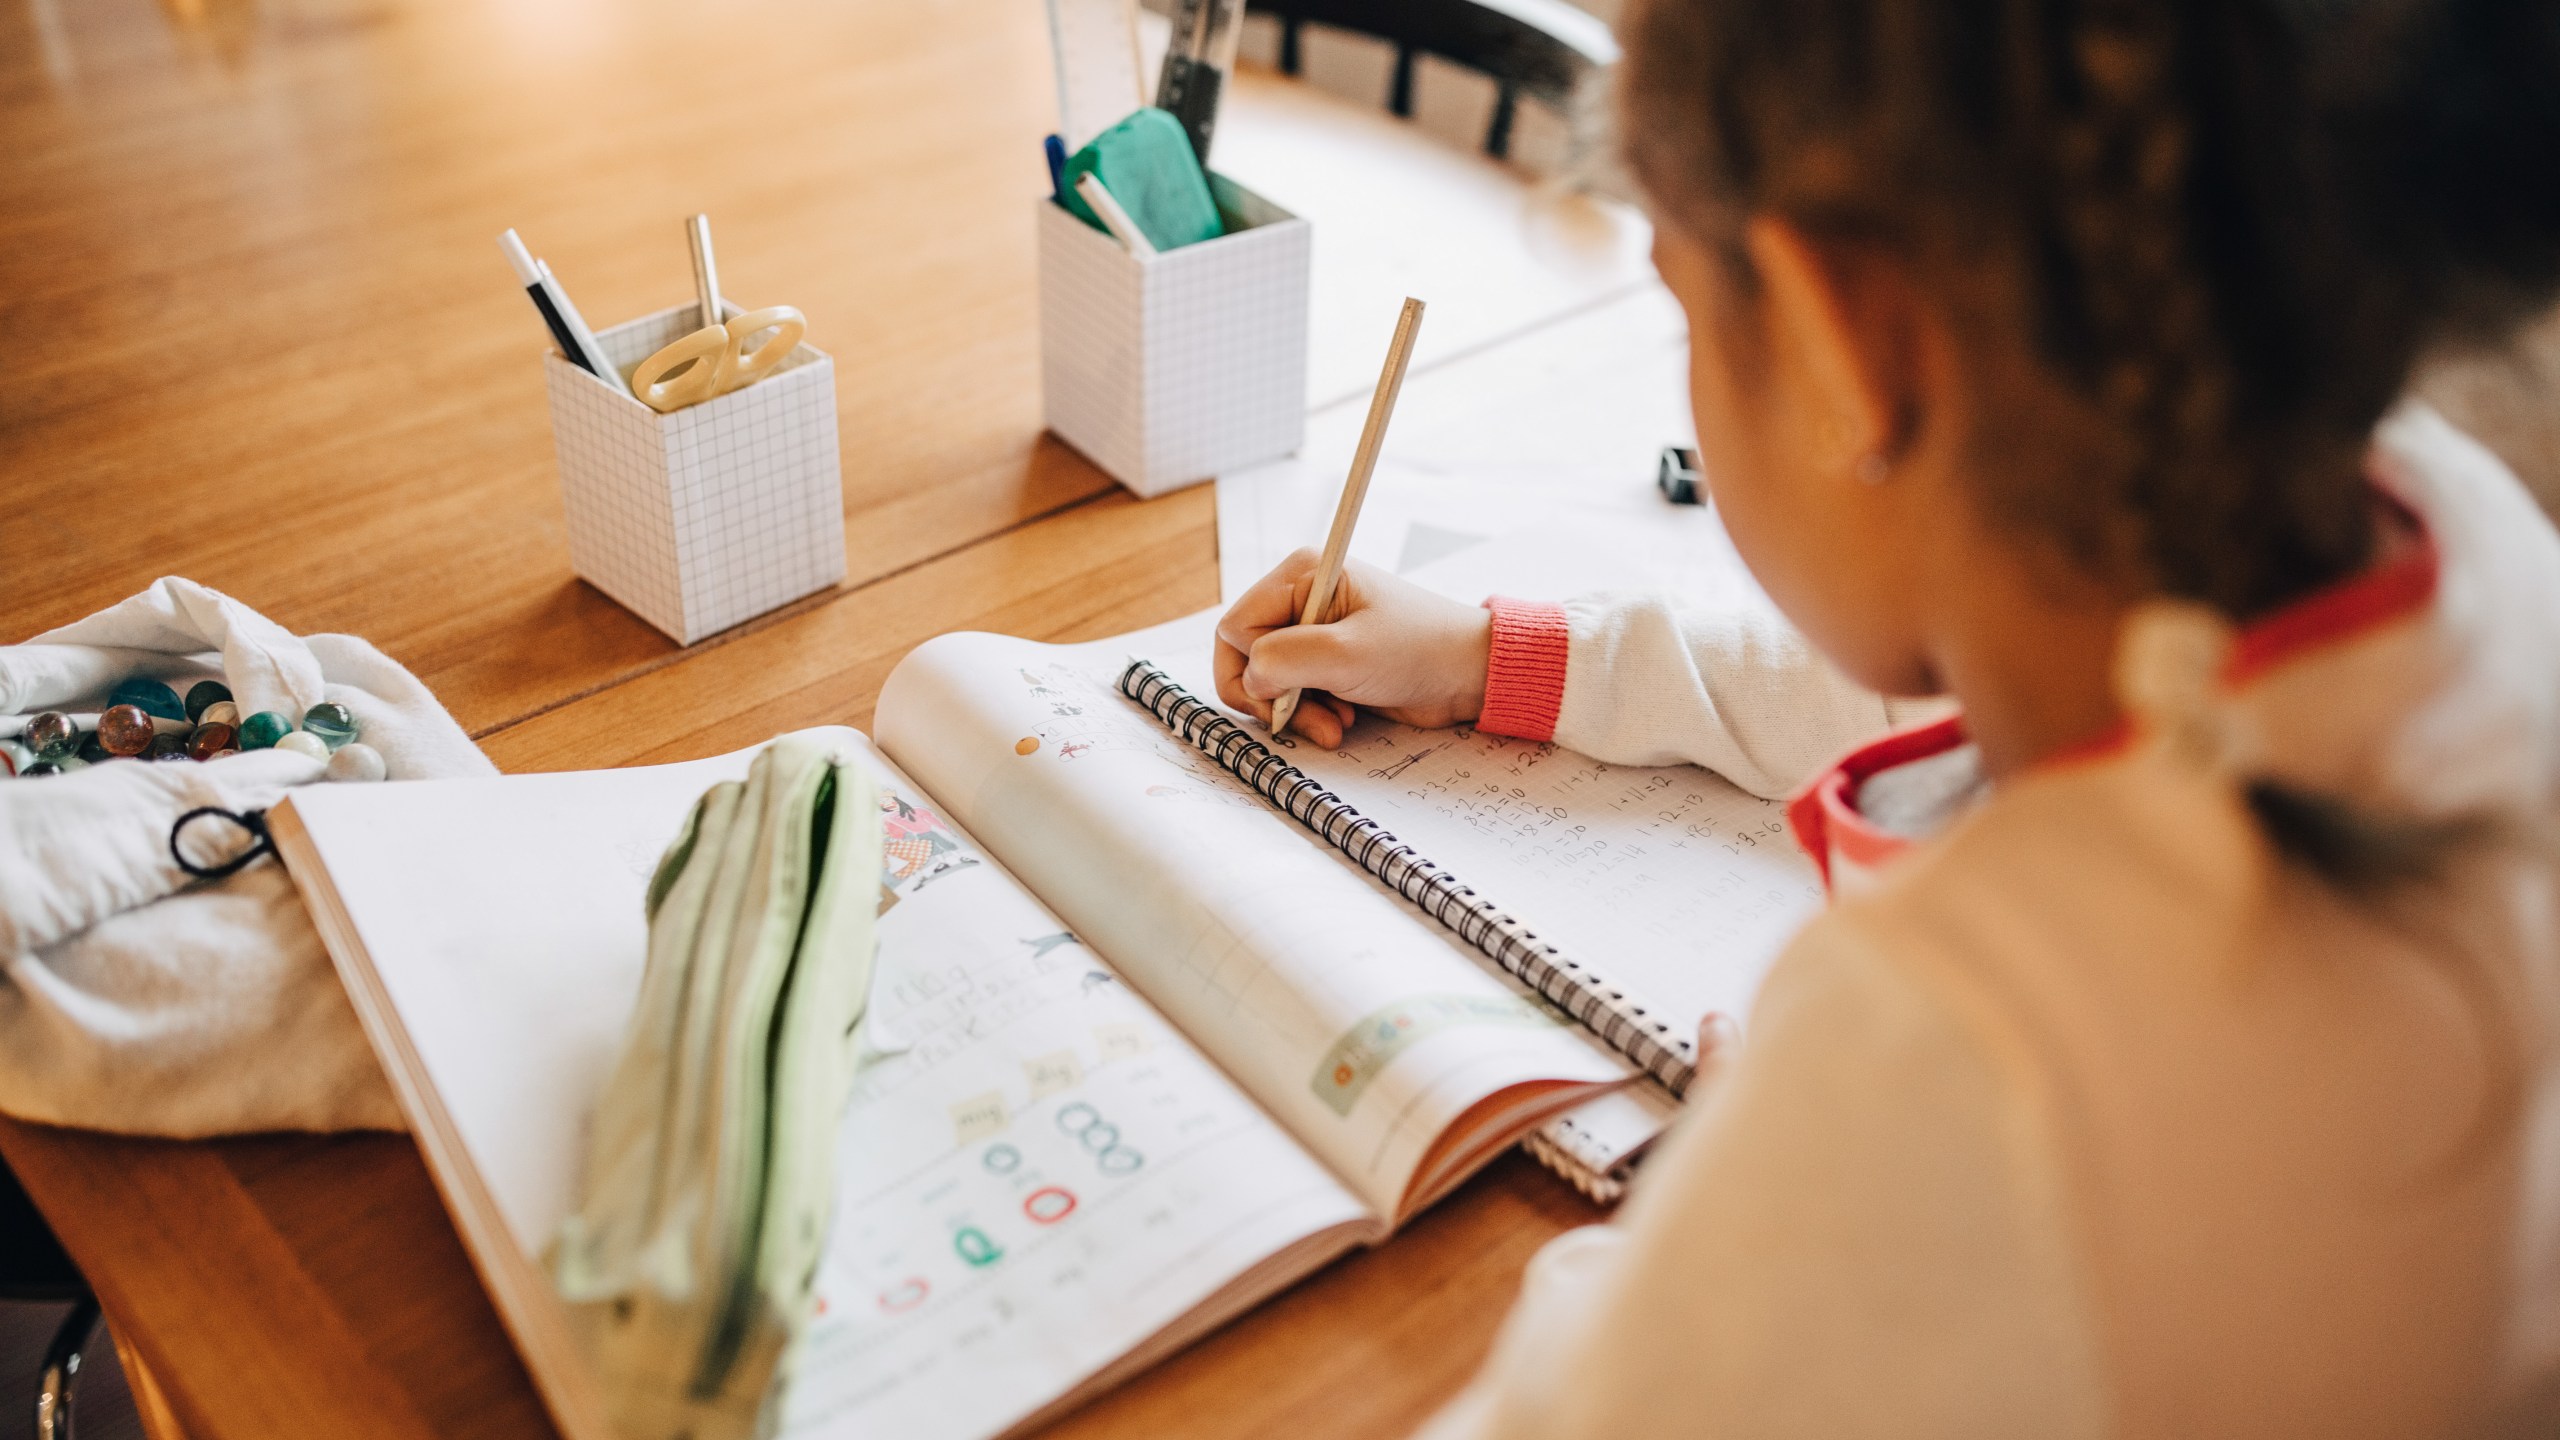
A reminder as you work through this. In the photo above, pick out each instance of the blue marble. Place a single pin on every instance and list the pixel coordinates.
(151, 696)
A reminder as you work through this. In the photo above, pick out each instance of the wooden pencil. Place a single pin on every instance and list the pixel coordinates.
(1355, 489)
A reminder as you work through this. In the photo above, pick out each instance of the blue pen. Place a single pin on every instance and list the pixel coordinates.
(1057, 149)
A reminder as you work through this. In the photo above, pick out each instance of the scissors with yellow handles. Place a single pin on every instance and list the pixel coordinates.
(725, 353)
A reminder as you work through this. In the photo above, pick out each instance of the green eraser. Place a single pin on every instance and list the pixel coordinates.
(1146, 163)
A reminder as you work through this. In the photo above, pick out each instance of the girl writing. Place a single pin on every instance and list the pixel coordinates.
(2177, 1056)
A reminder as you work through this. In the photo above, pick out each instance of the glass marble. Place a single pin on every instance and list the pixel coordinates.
(203, 695)
(303, 742)
(220, 712)
(125, 729)
(165, 746)
(263, 729)
(42, 768)
(210, 739)
(51, 735)
(333, 723)
(92, 749)
(153, 697)
(358, 762)
(16, 756)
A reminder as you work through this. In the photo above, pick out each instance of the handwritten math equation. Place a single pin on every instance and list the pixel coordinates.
(1671, 880)
(1551, 806)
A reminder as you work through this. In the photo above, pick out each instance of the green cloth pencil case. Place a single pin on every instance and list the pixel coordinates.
(711, 1164)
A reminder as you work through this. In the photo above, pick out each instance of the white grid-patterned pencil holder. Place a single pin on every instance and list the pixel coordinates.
(1172, 370)
(707, 516)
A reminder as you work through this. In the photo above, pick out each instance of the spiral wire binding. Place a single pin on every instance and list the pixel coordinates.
(1600, 1187)
(1572, 986)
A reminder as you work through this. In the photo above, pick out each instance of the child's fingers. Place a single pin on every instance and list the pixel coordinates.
(1273, 602)
(1318, 721)
(1263, 653)
(1322, 719)
(1227, 665)
(1302, 657)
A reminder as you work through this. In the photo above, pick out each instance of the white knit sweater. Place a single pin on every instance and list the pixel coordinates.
(2093, 1116)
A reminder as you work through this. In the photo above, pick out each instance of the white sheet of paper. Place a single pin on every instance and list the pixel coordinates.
(1564, 425)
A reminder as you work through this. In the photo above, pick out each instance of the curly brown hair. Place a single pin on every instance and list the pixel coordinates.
(2230, 227)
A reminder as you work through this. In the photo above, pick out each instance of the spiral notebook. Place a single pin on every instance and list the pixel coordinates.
(1644, 904)
(1642, 1033)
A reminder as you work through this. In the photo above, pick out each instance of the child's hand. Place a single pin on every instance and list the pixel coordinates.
(1398, 649)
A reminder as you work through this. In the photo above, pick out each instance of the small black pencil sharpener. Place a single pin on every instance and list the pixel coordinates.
(1679, 477)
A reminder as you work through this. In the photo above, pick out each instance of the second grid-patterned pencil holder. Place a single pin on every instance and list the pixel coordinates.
(704, 517)
(1172, 370)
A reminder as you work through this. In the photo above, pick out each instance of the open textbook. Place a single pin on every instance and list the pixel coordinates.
(1142, 1049)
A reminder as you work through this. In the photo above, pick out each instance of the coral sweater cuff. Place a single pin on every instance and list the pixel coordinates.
(1524, 679)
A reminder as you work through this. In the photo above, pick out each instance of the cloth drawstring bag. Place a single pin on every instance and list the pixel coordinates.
(133, 997)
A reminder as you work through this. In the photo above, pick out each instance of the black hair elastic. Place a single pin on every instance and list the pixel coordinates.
(253, 821)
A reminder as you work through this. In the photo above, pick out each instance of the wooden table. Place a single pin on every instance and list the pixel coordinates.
(259, 336)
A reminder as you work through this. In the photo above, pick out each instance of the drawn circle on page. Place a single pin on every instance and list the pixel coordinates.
(1028, 744)
(1119, 1160)
(1049, 1204)
(974, 1246)
(906, 1295)
(1001, 1159)
(1100, 1136)
(1078, 1117)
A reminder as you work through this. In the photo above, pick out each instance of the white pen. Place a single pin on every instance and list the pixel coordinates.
(568, 327)
(1114, 219)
